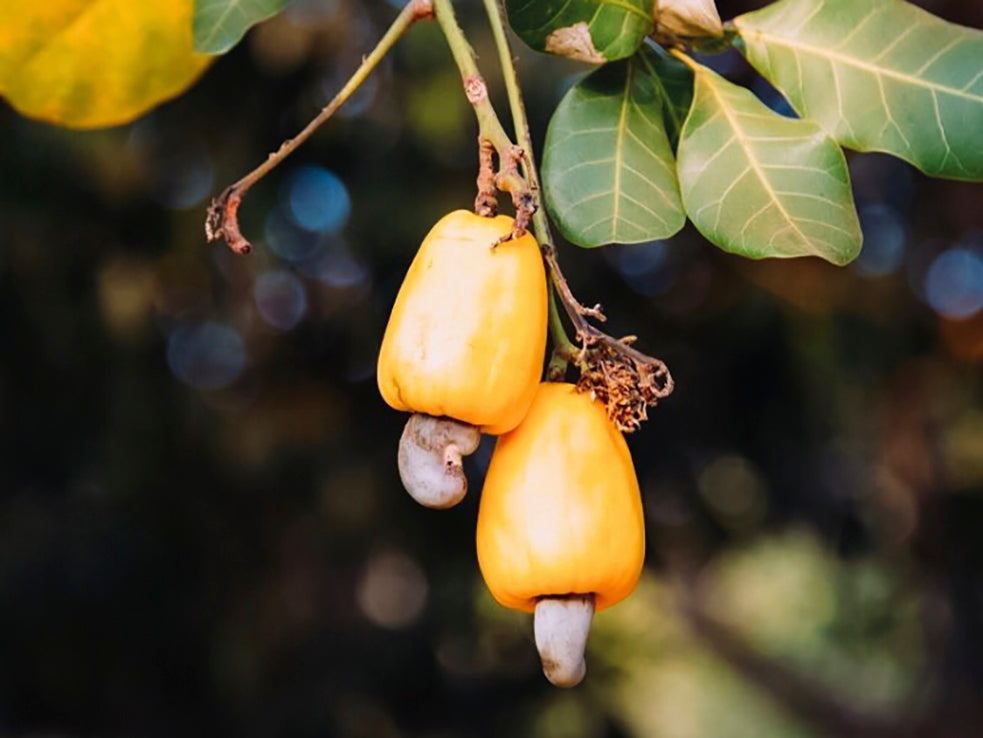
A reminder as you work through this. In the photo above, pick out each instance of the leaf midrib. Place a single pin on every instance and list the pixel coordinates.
(619, 153)
(742, 140)
(798, 45)
(53, 37)
(216, 25)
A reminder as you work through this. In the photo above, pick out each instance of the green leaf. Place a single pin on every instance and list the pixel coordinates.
(759, 184)
(879, 75)
(676, 82)
(594, 31)
(219, 24)
(608, 170)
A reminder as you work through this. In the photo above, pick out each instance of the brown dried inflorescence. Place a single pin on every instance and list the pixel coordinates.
(626, 381)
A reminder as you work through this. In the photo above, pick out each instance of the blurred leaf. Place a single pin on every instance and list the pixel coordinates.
(880, 75)
(219, 24)
(662, 680)
(608, 168)
(759, 184)
(853, 626)
(95, 63)
(594, 31)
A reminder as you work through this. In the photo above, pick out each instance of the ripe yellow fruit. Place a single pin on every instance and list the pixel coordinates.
(467, 333)
(560, 511)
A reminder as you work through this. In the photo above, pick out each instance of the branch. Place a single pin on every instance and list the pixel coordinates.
(222, 221)
(489, 126)
(624, 379)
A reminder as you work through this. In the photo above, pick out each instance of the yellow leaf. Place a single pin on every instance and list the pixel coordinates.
(95, 63)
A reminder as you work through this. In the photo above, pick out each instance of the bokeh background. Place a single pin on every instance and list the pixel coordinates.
(202, 530)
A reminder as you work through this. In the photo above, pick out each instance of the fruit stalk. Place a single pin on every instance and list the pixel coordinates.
(564, 350)
(644, 379)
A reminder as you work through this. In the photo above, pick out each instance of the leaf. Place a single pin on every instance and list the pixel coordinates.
(687, 18)
(594, 31)
(758, 184)
(608, 169)
(676, 82)
(219, 24)
(95, 63)
(879, 75)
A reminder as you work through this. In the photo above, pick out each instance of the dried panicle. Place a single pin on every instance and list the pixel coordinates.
(627, 382)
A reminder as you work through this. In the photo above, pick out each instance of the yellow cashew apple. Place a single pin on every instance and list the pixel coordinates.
(560, 525)
(465, 341)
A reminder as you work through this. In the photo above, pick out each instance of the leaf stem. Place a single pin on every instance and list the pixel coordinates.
(595, 345)
(222, 220)
(686, 59)
(564, 349)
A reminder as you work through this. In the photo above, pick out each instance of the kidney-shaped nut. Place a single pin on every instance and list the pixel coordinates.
(561, 626)
(430, 459)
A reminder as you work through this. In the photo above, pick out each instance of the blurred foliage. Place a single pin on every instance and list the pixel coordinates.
(136, 55)
(202, 529)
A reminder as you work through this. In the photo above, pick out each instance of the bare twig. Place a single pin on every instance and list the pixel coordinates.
(222, 221)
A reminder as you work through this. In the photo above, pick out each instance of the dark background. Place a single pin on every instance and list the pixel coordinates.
(202, 530)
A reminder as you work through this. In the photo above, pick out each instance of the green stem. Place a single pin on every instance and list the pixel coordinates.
(489, 126)
(564, 349)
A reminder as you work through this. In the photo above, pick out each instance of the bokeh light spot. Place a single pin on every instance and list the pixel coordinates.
(281, 299)
(393, 590)
(184, 178)
(288, 241)
(207, 356)
(954, 284)
(340, 269)
(734, 491)
(317, 199)
(649, 268)
(884, 240)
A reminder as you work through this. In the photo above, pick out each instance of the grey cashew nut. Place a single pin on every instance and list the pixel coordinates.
(430, 453)
(561, 625)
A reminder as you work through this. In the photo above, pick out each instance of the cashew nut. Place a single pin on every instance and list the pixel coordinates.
(561, 625)
(430, 453)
